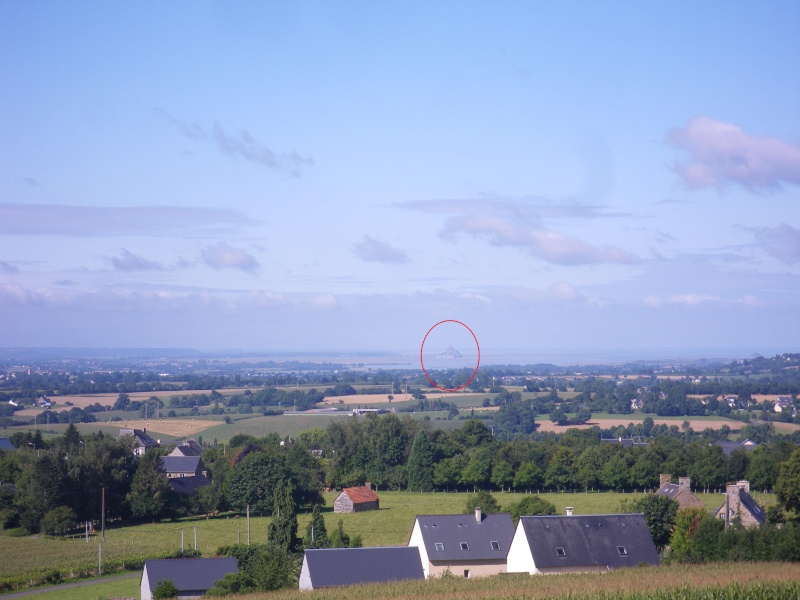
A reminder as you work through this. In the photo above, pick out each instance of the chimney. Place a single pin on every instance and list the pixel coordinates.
(685, 483)
(665, 479)
(478, 514)
(368, 485)
(744, 484)
(569, 511)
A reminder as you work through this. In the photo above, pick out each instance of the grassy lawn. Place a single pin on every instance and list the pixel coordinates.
(391, 525)
(123, 588)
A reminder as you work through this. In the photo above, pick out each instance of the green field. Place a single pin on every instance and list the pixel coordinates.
(391, 525)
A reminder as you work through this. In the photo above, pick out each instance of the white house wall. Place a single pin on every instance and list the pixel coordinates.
(305, 577)
(416, 540)
(520, 557)
(145, 587)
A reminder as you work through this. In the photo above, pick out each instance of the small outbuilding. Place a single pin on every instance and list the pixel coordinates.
(356, 499)
(334, 567)
(573, 544)
(192, 577)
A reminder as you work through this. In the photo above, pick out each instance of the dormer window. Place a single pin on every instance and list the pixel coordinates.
(623, 551)
(496, 546)
(439, 547)
(464, 546)
(561, 552)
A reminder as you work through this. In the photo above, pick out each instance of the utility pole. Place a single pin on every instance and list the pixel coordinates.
(195, 538)
(103, 516)
(181, 542)
(248, 524)
(100, 559)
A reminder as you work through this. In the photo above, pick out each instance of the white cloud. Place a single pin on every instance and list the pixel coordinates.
(223, 256)
(551, 246)
(127, 261)
(721, 153)
(370, 249)
(520, 224)
(243, 145)
(782, 242)
(692, 299)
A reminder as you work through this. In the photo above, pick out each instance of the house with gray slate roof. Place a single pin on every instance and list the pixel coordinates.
(5, 444)
(740, 506)
(335, 567)
(186, 474)
(471, 545)
(193, 577)
(570, 544)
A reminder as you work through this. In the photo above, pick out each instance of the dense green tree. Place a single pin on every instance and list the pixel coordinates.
(253, 481)
(530, 506)
(787, 486)
(447, 472)
(316, 533)
(165, 589)
(528, 476)
(659, 512)
(483, 500)
(40, 492)
(479, 468)
(420, 464)
(262, 567)
(338, 537)
(561, 470)
(686, 522)
(58, 521)
(150, 491)
(282, 529)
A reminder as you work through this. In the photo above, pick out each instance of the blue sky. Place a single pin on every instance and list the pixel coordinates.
(342, 176)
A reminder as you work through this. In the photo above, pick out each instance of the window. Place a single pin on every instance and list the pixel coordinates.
(495, 545)
(464, 546)
(623, 551)
(561, 552)
(439, 547)
(466, 573)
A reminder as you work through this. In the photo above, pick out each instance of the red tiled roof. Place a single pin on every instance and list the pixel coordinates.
(360, 494)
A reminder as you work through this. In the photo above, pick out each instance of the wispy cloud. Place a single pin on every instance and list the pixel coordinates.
(520, 224)
(721, 153)
(371, 249)
(781, 242)
(106, 221)
(242, 145)
(223, 256)
(8, 268)
(693, 299)
(127, 261)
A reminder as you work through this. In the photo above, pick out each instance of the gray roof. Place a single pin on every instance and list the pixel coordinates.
(729, 447)
(5, 444)
(187, 448)
(749, 502)
(189, 574)
(141, 437)
(188, 485)
(353, 566)
(590, 541)
(181, 464)
(453, 530)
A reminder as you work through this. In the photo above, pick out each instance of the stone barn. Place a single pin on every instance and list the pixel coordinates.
(356, 499)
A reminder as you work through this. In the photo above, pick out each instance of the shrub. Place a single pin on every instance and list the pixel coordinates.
(165, 589)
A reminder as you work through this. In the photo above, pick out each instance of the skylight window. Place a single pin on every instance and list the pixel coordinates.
(561, 552)
(623, 551)
(495, 545)
(439, 547)
(464, 546)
